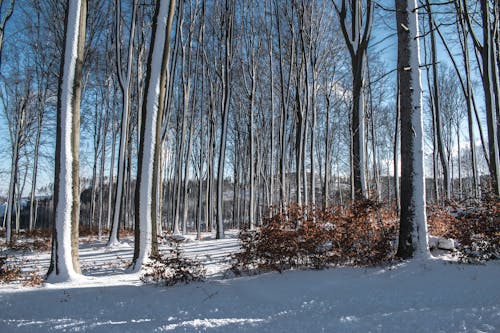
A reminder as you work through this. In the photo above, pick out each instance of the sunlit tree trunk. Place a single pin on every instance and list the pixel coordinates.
(64, 259)
(145, 213)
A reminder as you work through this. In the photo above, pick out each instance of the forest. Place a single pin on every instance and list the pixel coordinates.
(282, 134)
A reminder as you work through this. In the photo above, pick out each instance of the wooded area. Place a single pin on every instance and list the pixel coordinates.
(193, 115)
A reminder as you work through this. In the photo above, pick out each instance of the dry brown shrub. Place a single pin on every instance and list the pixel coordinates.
(476, 227)
(38, 233)
(305, 236)
(8, 273)
(33, 280)
(42, 244)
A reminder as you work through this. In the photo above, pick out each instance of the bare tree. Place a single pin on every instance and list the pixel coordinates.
(145, 200)
(489, 75)
(64, 259)
(357, 35)
(3, 23)
(413, 226)
(125, 82)
(226, 100)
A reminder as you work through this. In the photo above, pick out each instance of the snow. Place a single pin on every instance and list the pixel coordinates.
(441, 243)
(418, 296)
(64, 269)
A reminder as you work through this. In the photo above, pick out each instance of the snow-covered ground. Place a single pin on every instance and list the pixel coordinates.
(430, 296)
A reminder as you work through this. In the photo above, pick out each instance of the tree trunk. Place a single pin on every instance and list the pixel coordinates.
(144, 206)
(436, 106)
(64, 259)
(126, 87)
(226, 99)
(413, 226)
(357, 43)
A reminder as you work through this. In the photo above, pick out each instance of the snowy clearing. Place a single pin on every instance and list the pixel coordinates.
(420, 296)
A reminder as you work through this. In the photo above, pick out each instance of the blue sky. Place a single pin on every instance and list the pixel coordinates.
(383, 43)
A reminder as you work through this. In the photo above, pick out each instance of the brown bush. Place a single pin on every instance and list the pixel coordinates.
(475, 226)
(8, 273)
(361, 234)
(33, 279)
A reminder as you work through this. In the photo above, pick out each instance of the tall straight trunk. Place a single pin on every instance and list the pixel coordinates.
(307, 99)
(101, 179)
(396, 147)
(156, 204)
(200, 173)
(436, 106)
(186, 170)
(283, 106)
(460, 188)
(191, 126)
(435, 157)
(326, 189)
(490, 80)
(469, 101)
(64, 259)
(251, 208)
(250, 44)
(226, 99)
(358, 139)
(32, 220)
(126, 87)
(271, 91)
(495, 60)
(111, 176)
(93, 188)
(199, 206)
(128, 209)
(376, 169)
(145, 212)
(180, 158)
(211, 162)
(490, 84)
(298, 144)
(14, 169)
(413, 225)
(186, 90)
(313, 134)
(75, 137)
(251, 102)
(435, 151)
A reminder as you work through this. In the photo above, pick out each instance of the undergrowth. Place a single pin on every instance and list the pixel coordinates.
(8, 272)
(308, 237)
(173, 267)
(475, 226)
